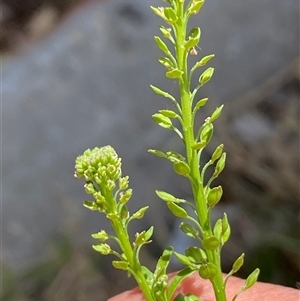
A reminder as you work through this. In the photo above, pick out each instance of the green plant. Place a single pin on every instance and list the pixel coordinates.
(101, 169)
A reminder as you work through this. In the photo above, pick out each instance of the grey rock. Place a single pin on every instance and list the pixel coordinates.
(87, 85)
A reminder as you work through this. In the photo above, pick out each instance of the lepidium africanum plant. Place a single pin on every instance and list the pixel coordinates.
(101, 170)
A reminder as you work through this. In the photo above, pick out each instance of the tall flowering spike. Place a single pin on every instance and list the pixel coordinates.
(99, 164)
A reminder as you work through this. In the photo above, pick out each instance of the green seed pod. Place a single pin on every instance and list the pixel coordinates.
(123, 182)
(193, 38)
(90, 205)
(181, 168)
(207, 133)
(158, 11)
(211, 243)
(238, 263)
(214, 196)
(188, 230)
(161, 45)
(166, 62)
(218, 229)
(177, 210)
(217, 153)
(125, 197)
(120, 265)
(89, 188)
(102, 236)
(162, 121)
(170, 15)
(205, 60)
(140, 213)
(202, 102)
(168, 113)
(195, 6)
(104, 249)
(220, 165)
(198, 255)
(225, 229)
(174, 73)
(217, 112)
(166, 32)
(208, 270)
(206, 76)
(251, 279)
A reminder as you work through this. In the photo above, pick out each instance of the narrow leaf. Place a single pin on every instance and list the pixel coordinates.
(177, 280)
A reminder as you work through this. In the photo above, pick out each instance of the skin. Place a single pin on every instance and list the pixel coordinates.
(202, 288)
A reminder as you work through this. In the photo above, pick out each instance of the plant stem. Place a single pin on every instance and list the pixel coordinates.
(192, 157)
(127, 249)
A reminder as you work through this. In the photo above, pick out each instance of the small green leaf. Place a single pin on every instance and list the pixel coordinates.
(161, 45)
(214, 196)
(140, 213)
(168, 113)
(238, 263)
(208, 270)
(162, 121)
(251, 279)
(206, 76)
(216, 113)
(183, 259)
(198, 255)
(177, 210)
(174, 73)
(210, 243)
(217, 153)
(207, 133)
(120, 265)
(188, 230)
(181, 168)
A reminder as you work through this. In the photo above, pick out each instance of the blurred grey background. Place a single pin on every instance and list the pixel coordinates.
(76, 75)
